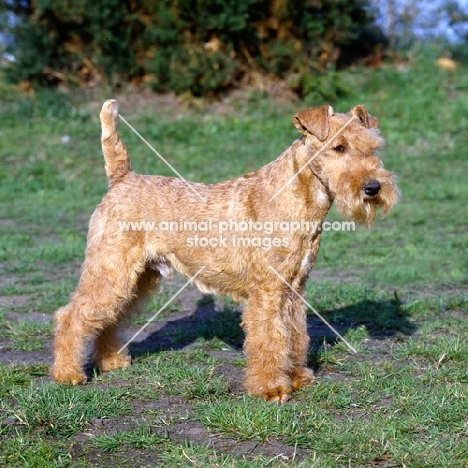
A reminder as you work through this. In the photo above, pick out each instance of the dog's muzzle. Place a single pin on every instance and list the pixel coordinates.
(372, 188)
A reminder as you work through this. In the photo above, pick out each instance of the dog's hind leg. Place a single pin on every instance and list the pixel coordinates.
(106, 287)
(107, 346)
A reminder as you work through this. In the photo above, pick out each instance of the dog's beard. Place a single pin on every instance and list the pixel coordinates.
(352, 202)
(364, 209)
(357, 209)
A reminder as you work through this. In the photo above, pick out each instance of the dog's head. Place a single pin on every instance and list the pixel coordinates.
(342, 154)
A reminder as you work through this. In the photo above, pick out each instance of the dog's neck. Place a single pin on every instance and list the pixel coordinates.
(310, 157)
(299, 183)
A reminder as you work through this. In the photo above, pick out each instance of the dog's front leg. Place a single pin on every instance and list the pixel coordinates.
(301, 376)
(268, 346)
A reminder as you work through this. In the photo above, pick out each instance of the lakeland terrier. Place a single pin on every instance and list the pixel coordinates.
(267, 233)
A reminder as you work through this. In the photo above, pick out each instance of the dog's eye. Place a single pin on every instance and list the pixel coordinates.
(339, 148)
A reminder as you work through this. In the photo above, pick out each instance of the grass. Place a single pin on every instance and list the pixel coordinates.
(27, 335)
(398, 293)
(141, 438)
(61, 411)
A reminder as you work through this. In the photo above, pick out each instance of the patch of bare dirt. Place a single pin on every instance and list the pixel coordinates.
(234, 375)
(328, 275)
(21, 306)
(179, 426)
(196, 433)
(14, 301)
(6, 279)
(15, 357)
(32, 316)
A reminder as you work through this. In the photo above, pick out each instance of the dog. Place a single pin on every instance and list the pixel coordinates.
(255, 238)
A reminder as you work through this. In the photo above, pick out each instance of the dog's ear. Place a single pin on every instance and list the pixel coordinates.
(364, 117)
(314, 121)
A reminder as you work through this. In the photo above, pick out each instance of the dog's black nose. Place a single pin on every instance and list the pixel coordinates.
(372, 188)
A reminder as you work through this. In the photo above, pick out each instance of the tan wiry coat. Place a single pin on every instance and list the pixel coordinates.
(333, 161)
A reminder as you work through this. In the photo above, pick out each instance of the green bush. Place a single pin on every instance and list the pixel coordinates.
(199, 46)
(457, 15)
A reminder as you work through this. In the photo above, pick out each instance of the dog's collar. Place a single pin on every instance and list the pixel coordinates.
(319, 178)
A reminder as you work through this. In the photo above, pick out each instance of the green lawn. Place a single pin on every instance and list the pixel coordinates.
(398, 293)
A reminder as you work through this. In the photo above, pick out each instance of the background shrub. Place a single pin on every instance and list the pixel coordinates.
(199, 46)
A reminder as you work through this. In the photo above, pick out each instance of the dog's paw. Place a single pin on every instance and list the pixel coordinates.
(277, 395)
(271, 388)
(69, 375)
(301, 377)
(109, 362)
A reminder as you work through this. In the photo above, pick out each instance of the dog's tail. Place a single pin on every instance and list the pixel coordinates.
(115, 154)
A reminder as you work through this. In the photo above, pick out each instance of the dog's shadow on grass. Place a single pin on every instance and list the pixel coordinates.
(378, 320)
(206, 322)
